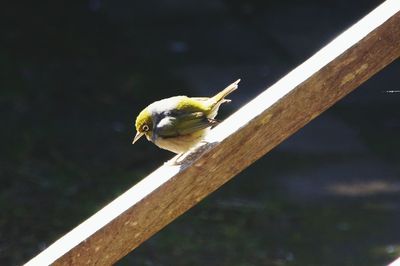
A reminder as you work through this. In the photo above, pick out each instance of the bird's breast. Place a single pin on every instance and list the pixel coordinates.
(180, 144)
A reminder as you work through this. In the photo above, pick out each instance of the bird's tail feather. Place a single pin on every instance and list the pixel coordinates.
(215, 102)
(225, 92)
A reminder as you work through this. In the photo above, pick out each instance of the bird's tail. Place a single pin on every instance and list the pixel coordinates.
(220, 97)
(215, 101)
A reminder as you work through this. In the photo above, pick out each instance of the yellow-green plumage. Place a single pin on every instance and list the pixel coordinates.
(180, 122)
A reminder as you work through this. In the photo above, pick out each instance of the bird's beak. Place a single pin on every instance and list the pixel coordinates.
(138, 135)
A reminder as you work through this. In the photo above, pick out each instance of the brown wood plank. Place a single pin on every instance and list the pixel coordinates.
(252, 131)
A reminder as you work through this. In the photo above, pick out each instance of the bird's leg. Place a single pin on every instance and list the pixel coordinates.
(177, 159)
(179, 156)
(213, 122)
(191, 154)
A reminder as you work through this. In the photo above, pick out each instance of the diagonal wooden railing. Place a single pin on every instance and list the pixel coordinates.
(281, 110)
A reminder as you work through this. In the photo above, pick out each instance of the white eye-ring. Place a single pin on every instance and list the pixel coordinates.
(145, 128)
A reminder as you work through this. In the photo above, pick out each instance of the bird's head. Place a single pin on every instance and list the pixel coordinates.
(143, 125)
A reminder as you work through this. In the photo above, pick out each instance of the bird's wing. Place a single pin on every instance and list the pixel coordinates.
(182, 124)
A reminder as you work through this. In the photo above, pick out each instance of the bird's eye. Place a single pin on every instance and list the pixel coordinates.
(145, 128)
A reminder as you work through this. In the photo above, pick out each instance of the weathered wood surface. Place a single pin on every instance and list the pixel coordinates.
(255, 129)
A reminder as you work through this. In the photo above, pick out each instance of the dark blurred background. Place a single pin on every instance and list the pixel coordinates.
(74, 75)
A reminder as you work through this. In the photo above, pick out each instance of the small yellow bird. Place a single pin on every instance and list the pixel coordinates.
(178, 123)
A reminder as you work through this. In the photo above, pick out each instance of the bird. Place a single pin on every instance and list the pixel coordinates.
(180, 122)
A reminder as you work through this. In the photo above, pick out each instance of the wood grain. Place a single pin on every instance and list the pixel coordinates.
(252, 131)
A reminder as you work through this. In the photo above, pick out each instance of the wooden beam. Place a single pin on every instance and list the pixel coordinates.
(395, 263)
(281, 110)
